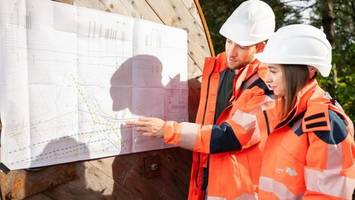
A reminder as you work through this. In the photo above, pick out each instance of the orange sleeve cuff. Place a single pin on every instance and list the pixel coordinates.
(239, 132)
(171, 131)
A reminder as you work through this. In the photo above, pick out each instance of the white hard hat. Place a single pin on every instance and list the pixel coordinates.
(299, 44)
(252, 22)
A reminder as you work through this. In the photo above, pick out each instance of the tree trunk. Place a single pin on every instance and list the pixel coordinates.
(328, 18)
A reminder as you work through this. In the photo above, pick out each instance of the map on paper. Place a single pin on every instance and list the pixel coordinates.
(70, 77)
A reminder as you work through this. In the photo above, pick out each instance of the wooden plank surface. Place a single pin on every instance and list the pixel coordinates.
(128, 177)
(21, 183)
(192, 8)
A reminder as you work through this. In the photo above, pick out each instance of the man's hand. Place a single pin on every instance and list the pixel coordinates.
(148, 126)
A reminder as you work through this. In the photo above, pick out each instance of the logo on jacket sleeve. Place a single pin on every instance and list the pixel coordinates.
(288, 170)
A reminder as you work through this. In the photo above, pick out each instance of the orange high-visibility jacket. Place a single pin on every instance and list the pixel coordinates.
(228, 151)
(310, 154)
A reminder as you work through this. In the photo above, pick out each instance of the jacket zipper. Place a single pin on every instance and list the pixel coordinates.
(208, 90)
(267, 122)
(203, 118)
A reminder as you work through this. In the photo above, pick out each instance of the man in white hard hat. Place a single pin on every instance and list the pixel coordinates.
(226, 139)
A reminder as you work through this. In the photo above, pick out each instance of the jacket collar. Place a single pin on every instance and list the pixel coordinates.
(220, 62)
(302, 99)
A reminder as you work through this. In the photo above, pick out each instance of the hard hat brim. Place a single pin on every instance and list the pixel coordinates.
(323, 68)
(241, 36)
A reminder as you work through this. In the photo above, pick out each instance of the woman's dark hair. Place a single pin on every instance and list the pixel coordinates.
(295, 78)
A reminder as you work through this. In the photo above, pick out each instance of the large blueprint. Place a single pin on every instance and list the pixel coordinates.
(70, 77)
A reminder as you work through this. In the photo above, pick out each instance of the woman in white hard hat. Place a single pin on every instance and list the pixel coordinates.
(309, 153)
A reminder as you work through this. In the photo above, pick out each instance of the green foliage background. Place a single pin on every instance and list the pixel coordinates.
(216, 12)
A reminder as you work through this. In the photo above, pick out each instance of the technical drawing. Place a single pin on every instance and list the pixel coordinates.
(71, 77)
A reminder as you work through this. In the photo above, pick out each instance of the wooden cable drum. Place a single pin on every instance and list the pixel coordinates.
(159, 174)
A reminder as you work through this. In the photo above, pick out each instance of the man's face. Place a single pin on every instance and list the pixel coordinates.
(239, 56)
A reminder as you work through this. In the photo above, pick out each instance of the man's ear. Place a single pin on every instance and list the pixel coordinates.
(260, 47)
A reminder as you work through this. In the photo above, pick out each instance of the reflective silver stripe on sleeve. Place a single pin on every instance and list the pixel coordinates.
(279, 189)
(188, 134)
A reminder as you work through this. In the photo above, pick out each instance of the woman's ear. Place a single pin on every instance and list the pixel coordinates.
(312, 72)
(260, 47)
